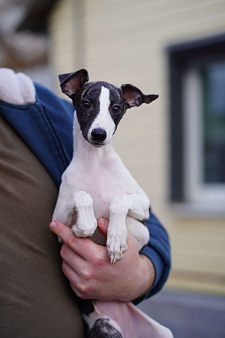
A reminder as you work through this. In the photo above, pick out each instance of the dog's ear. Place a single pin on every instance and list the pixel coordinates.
(134, 97)
(72, 83)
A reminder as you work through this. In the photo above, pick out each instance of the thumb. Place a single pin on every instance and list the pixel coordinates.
(103, 225)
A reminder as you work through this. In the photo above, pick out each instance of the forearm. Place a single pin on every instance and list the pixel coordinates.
(91, 274)
(156, 261)
(135, 277)
(147, 274)
(158, 251)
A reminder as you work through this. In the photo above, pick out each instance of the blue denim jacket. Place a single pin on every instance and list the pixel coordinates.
(47, 128)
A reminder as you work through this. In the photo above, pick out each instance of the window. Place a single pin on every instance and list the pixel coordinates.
(197, 125)
(213, 84)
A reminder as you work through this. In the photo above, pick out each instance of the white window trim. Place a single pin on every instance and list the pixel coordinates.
(201, 199)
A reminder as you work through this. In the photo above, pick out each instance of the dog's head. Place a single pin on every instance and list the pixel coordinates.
(99, 105)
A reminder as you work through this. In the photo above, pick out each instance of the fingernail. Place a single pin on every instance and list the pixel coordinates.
(103, 221)
(52, 225)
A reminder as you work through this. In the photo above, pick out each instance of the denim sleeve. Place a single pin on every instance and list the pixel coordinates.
(158, 251)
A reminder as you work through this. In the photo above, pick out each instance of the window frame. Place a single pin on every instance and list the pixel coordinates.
(183, 59)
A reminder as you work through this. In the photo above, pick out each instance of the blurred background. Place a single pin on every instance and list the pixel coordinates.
(175, 147)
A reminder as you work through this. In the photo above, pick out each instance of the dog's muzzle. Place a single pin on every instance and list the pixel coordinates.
(98, 136)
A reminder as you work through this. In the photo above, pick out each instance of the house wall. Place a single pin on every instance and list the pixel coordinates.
(125, 42)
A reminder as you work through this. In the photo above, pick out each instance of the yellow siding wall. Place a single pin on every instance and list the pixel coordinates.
(124, 41)
(66, 28)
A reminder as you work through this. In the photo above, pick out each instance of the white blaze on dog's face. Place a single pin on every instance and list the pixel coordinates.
(99, 107)
(103, 126)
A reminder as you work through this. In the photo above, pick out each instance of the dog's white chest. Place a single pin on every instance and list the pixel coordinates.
(103, 181)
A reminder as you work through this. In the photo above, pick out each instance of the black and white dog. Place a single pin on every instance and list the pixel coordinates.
(97, 184)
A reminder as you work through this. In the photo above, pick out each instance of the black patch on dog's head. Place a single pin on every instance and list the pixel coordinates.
(87, 104)
(85, 96)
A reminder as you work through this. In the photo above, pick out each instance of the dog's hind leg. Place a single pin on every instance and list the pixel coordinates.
(98, 324)
(132, 322)
(139, 231)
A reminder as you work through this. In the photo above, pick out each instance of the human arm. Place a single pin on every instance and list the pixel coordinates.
(91, 274)
(158, 251)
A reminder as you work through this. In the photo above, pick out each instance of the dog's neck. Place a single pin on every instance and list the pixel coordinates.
(86, 152)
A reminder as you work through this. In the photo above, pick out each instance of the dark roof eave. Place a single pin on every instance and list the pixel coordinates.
(36, 17)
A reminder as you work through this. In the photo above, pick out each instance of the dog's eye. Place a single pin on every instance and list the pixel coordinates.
(116, 109)
(85, 104)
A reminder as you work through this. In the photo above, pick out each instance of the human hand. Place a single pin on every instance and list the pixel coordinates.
(91, 274)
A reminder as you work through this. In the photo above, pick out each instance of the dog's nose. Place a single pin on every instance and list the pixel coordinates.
(98, 135)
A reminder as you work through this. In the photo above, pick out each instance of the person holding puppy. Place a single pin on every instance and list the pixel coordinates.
(37, 299)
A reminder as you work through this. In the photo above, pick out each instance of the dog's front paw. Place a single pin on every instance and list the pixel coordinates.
(86, 222)
(85, 229)
(116, 245)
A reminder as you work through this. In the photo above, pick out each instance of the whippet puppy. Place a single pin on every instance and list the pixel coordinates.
(97, 184)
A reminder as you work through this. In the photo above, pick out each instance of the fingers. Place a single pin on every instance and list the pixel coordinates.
(61, 230)
(82, 246)
(65, 233)
(77, 283)
(103, 225)
(88, 268)
(71, 268)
